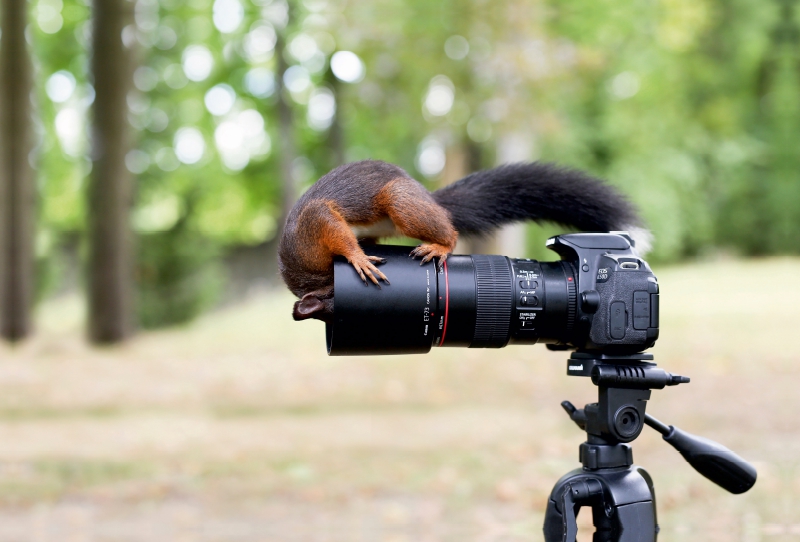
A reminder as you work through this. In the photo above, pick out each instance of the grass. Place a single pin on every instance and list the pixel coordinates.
(241, 422)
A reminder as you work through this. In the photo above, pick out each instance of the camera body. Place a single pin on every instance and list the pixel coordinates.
(601, 296)
(616, 305)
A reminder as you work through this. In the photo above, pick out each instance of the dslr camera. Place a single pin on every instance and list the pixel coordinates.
(601, 297)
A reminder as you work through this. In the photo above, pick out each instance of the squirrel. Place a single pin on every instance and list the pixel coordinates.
(372, 199)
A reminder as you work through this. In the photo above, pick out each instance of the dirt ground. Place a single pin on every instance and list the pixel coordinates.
(240, 428)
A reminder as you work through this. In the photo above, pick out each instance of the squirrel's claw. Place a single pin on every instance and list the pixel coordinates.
(378, 260)
(428, 251)
(366, 269)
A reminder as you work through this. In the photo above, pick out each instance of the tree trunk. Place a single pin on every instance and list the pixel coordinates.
(17, 189)
(514, 147)
(463, 159)
(110, 273)
(288, 149)
(336, 131)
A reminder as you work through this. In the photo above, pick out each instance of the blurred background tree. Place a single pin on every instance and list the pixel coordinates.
(17, 189)
(689, 106)
(110, 190)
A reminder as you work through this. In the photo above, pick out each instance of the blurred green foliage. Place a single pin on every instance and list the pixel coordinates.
(178, 276)
(689, 106)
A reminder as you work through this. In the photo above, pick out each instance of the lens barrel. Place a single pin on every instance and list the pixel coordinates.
(476, 301)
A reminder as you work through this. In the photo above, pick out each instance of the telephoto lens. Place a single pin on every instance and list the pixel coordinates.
(600, 296)
(469, 301)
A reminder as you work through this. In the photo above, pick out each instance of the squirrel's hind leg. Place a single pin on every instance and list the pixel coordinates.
(417, 215)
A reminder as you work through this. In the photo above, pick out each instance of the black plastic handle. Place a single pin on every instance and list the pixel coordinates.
(712, 460)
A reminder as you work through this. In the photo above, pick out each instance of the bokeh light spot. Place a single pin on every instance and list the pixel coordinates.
(159, 215)
(259, 43)
(146, 15)
(260, 82)
(48, 15)
(70, 130)
(167, 38)
(228, 15)
(137, 161)
(220, 99)
(145, 78)
(296, 79)
(347, 67)
(166, 159)
(321, 109)
(60, 86)
(456, 47)
(303, 47)
(174, 76)
(189, 145)
(430, 157)
(229, 139)
(197, 62)
(624, 85)
(251, 122)
(440, 97)
(158, 120)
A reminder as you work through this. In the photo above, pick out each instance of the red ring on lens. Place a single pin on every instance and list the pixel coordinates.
(446, 302)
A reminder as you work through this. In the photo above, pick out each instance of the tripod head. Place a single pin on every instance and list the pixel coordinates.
(621, 494)
(624, 385)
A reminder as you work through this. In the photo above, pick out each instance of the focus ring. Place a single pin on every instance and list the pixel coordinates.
(494, 301)
(572, 296)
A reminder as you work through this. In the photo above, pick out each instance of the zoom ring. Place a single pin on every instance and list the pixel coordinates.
(494, 300)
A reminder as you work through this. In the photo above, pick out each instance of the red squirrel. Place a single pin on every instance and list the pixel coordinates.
(372, 199)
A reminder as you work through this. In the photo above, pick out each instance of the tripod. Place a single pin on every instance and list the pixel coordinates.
(621, 494)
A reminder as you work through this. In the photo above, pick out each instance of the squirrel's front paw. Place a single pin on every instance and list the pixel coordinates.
(428, 251)
(365, 268)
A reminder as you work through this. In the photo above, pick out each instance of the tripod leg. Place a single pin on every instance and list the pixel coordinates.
(570, 520)
(553, 523)
(604, 527)
(571, 493)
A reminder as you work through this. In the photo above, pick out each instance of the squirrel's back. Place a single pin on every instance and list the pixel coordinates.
(353, 188)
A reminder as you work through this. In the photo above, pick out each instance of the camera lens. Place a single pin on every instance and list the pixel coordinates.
(476, 301)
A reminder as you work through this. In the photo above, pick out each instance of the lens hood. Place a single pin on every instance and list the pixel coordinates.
(397, 318)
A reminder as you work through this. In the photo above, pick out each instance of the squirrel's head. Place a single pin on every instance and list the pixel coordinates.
(314, 305)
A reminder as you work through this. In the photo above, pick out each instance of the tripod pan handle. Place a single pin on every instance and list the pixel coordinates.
(714, 461)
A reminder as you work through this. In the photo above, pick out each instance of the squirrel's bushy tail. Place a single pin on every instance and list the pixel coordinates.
(536, 191)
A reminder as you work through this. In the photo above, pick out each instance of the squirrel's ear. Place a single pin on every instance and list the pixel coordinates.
(308, 307)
